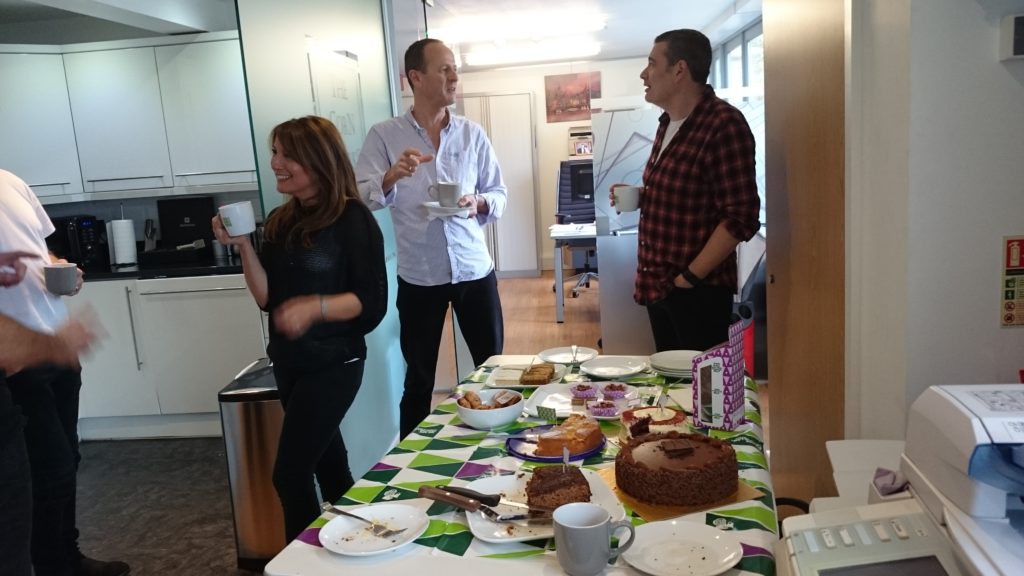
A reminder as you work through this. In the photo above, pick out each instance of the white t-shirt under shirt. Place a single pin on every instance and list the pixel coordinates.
(670, 132)
(24, 226)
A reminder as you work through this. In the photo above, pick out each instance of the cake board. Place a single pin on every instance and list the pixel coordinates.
(655, 512)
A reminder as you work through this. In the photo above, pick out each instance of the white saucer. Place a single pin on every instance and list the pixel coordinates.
(677, 548)
(348, 536)
(439, 211)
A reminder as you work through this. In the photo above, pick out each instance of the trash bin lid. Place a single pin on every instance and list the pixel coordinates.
(254, 383)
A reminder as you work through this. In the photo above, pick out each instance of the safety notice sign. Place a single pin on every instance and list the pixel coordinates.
(1011, 310)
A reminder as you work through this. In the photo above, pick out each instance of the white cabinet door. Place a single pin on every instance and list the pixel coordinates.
(37, 138)
(508, 120)
(119, 122)
(195, 335)
(206, 113)
(113, 382)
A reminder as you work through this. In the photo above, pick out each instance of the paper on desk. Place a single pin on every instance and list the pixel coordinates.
(568, 230)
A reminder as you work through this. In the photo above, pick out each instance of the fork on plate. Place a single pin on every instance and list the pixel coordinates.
(377, 528)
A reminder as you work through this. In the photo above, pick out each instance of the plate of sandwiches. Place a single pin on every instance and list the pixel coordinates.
(525, 375)
(546, 488)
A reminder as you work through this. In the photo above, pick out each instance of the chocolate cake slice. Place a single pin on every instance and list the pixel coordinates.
(552, 486)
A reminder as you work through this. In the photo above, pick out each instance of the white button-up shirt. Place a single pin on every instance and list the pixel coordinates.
(434, 251)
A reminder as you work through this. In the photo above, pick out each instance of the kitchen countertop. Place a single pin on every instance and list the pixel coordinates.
(200, 268)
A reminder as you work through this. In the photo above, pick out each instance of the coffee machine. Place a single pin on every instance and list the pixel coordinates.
(81, 239)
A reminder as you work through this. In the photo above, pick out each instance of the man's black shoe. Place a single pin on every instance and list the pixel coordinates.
(90, 567)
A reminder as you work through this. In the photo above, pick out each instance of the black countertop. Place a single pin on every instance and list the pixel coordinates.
(201, 268)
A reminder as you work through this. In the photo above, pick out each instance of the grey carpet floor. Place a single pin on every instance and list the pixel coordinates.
(162, 506)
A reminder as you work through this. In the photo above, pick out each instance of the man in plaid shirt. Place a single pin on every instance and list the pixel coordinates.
(699, 198)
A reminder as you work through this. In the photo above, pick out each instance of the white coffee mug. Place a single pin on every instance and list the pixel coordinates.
(447, 194)
(583, 533)
(238, 218)
(61, 279)
(627, 198)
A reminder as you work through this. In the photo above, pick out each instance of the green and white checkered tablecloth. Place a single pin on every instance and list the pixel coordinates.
(433, 456)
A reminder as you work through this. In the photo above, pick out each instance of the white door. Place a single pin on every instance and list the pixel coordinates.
(508, 120)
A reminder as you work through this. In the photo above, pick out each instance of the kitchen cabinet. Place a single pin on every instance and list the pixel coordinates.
(195, 335)
(113, 380)
(118, 119)
(205, 111)
(37, 141)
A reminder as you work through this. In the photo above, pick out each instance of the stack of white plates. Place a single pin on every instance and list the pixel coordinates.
(674, 363)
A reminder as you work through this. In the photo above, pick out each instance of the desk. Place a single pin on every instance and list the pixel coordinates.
(562, 234)
(430, 456)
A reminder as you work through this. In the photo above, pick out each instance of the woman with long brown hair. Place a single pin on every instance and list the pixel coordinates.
(321, 275)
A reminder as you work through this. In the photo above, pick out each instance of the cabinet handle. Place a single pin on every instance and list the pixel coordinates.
(160, 292)
(122, 178)
(206, 173)
(52, 184)
(131, 321)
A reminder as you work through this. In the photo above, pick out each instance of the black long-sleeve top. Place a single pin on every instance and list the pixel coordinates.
(347, 256)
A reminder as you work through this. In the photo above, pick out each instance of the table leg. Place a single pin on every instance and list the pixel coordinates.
(559, 287)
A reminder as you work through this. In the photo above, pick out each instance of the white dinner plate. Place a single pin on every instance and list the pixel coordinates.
(513, 486)
(351, 537)
(435, 209)
(612, 367)
(677, 548)
(563, 355)
(560, 370)
(559, 397)
(674, 360)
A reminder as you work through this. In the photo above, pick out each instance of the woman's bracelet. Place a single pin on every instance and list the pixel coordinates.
(323, 309)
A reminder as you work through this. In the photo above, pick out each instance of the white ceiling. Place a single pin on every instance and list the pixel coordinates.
(631, 25)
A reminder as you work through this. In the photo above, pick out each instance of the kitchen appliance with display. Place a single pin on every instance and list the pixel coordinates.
(964, 460)
(80, 239)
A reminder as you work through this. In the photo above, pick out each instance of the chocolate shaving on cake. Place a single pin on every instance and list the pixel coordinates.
(640, 427)
(677, 448)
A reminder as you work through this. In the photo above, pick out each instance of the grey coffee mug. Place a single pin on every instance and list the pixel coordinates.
(583, 534)
(61, 279)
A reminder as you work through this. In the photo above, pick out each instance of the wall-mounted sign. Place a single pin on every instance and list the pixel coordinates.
(1011, 310)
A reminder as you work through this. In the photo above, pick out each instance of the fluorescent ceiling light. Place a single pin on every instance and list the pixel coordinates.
(525, 52)
(531, 25)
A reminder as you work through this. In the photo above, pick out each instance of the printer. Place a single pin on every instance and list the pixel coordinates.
(964, 463)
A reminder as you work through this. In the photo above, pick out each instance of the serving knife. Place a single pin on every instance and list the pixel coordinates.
(492, 499)
(474, 505)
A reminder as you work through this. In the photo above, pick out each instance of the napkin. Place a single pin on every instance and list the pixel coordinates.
(889, 481)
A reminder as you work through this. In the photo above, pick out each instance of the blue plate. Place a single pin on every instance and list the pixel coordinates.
(521, 448)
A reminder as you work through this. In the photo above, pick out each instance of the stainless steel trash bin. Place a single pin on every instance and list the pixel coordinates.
(251, 416)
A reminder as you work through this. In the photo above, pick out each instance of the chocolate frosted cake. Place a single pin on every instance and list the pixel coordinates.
(552, 486)
(677, 469)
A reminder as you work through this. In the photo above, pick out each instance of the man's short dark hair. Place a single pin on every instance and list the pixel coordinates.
(414, 59)
(691, 46)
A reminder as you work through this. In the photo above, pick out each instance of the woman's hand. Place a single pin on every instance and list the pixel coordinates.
(296, 315)
(221, 234)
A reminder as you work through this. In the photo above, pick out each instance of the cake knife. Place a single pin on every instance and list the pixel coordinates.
(491, 499)
(474, 505)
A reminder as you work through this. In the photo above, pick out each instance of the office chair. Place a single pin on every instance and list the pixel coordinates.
(575, 204)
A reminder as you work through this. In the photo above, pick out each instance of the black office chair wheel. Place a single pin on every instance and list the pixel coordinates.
(575, 294)
(554, 288)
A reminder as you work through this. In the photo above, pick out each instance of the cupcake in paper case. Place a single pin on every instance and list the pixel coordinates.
(603, 408)
(614, 390)
(583, 390)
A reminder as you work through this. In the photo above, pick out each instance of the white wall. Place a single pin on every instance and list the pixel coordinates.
(620, 84)
(934, 183)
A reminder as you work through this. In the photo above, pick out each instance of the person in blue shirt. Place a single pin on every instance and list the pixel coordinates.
(442, 253)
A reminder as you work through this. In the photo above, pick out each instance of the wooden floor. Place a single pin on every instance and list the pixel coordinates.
(528, 305)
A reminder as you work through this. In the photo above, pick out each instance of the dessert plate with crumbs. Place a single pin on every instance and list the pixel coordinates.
(513, 487)
(348, 536)
(678, 548)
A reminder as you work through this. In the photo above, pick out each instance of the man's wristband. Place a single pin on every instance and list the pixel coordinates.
(691, 277)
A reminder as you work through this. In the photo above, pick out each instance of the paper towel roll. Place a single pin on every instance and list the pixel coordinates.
(124, 241)
(110, 241)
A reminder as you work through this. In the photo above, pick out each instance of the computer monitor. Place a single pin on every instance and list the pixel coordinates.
(581, 181)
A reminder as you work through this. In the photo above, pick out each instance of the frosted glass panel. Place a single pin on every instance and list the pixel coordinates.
(622, 145)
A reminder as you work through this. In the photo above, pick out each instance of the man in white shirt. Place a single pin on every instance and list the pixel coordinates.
(48, 394)
(442, 259)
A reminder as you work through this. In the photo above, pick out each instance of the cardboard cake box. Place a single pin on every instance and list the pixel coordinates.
(718, 384)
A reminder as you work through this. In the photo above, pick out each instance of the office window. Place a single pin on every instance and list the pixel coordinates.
(734, 63)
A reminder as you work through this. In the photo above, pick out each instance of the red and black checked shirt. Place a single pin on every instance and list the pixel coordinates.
(704, 177)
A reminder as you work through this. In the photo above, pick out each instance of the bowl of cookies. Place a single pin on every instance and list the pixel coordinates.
(489, 408)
